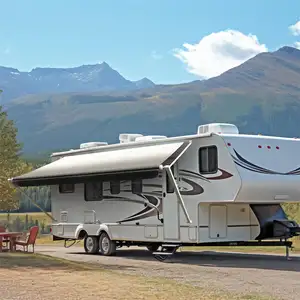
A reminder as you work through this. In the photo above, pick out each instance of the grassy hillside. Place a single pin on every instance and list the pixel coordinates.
(51, 125)
(259, 97)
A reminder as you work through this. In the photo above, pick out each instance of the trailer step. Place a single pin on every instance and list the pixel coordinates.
(162, 253)
(167, 250)
(169, 246)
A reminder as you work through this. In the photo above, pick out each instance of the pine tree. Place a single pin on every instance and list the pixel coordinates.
(10, 163)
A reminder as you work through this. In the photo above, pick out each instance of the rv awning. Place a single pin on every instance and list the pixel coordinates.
(83, 167)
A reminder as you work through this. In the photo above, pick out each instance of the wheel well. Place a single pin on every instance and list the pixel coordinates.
(102, 232)
(82, 234)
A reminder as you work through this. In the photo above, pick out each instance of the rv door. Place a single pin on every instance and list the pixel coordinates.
(172, 201)
(170, 207)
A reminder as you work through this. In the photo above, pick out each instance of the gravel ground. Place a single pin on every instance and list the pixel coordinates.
(269, 275)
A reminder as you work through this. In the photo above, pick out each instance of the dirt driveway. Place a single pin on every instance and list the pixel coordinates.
(269, 275)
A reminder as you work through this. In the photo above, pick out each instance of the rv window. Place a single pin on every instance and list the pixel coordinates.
(137, 186)
(170, 187)
(93, 191)
(115, 187)
(66, 188)
(208, 160)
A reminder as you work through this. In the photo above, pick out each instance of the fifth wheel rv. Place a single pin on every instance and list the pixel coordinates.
(216, 187)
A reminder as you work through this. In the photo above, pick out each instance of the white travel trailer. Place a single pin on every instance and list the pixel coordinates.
(217, 187)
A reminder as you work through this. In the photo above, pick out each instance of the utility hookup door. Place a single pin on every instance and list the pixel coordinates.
(170, 207)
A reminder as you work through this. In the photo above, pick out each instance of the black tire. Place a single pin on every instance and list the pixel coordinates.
(153, 247)
(91, 244)
(106, 245)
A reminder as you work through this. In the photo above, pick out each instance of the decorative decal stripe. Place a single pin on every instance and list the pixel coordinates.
(242, 159)
(146, 209)
(224, 175)
(250, 169)
(192, 174)
(109, 198)
(147, 212)
(155, 197)
(244, 163)
(196, 188)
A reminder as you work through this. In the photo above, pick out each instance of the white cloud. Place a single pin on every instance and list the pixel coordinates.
(297, 45)
(219, 52)
(156, 55)
(295, 29)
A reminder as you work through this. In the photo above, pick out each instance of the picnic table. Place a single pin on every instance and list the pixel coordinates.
(12, 236)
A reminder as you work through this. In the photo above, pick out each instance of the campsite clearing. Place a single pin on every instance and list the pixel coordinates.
(27, 276)
(242, 275)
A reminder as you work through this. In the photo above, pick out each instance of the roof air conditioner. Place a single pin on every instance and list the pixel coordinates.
(219, 128)
(128, 137)
(92, 145)
(150, 138)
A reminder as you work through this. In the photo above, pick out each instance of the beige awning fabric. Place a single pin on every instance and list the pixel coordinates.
(90, 166)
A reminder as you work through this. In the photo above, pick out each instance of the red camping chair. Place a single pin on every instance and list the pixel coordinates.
(30, 240)
(3, 229)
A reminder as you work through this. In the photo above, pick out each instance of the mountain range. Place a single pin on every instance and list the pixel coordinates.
(86, 78)
(260, 96)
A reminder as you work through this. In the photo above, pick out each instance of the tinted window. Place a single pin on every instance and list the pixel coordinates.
(115, 187)
(93, 191)
(208, 160)
(66, 188)
(137, 186)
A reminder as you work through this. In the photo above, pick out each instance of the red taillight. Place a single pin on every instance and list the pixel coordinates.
(50, 229)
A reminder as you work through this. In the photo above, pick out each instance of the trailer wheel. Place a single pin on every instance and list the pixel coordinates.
(91, 244)
(107, 246)
(153, 247)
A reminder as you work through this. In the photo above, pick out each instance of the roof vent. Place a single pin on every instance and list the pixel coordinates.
(128, 137)
(92, 145)
(150, 138)
(219, 128)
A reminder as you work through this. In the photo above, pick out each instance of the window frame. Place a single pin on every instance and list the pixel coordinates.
(100, 189)
(216, 158)
(67, 191)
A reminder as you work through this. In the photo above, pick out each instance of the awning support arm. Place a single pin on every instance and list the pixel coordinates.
(34, 203)
(180, 200)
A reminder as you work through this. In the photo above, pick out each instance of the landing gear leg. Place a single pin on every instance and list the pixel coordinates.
(287, 252)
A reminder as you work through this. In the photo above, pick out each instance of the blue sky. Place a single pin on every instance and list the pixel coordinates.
(138, 37)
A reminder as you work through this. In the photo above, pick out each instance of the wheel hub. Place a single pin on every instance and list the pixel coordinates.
(89, 243)
(105, 244)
